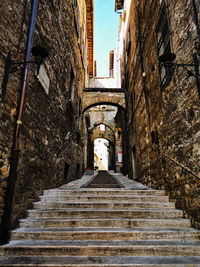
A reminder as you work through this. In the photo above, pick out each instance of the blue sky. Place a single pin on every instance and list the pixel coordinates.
(106, 27)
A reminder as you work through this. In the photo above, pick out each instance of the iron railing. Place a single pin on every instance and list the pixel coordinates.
(179, 165)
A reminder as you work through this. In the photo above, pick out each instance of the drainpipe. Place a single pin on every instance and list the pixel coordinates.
(9, 194)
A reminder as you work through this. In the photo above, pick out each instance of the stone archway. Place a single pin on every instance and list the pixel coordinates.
(93, 98)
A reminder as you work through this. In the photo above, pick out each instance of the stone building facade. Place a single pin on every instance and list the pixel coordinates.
(51, 124)
(163, 115)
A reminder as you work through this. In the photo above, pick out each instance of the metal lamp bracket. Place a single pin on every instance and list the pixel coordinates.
(167, 60)
(40, 53)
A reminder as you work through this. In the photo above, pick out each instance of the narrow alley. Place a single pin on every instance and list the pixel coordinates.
(100, 169)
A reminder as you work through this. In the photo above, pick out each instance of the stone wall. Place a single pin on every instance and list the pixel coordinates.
(108, 98)
(50, 121)
(163, 120)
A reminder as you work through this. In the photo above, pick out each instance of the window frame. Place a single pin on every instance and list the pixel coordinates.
(76, 11)
(164, 45)
(72, 86)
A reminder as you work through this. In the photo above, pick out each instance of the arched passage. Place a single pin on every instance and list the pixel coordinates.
(107, 134)
(102, 103)
(104, 154)
(100, 113)
(92, 101)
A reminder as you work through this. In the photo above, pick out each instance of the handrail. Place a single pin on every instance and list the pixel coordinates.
(197, 177)
(29, 164)
(24, 167)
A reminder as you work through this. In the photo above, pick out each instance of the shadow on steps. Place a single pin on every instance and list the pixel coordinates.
(103, 180)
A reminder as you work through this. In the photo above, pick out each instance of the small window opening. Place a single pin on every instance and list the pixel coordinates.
(72, 80)
(66, 171)
(102, 128)
(164, 46)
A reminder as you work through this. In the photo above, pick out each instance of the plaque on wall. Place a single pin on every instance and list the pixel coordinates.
(43, 79)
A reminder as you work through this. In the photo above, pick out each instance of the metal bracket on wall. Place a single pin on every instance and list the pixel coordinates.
(167, 60)
(40, 53)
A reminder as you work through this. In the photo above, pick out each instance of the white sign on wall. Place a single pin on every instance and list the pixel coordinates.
(120, 156)
(43, 79)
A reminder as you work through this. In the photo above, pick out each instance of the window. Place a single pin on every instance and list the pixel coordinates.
(164, 45)
(129, 41)
(79, 107)
(102, 128)
(77, 16)
(78, 170)
(127, 81)
(66, 171)
(72, 81)
(74, 5)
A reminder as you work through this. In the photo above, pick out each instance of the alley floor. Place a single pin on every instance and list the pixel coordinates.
(77, 225)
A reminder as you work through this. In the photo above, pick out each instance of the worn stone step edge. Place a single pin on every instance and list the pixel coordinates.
(104, 250)
(104, 198)
(104, 234)
(99, 243)
(121, 261)
(106, 229)
(164, 223)
(62, 188)
(103, 190)
(106, 202)
(100, 210)
(106, 210)
(57, 204)
(96, 191)
(109, 213)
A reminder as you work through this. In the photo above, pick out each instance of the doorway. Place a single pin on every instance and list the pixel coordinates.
(101, 154)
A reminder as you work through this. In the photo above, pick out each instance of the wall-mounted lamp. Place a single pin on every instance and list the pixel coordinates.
(167, 59)
(39, 52)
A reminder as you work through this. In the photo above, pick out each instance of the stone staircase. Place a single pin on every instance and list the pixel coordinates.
(103, 227)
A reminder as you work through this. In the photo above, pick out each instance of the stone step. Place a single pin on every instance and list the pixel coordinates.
(96, 261)
(107, 213)
(104, 205)
(88, 197)
(104, 186)
(104, 234)
(102, 248)
(103, 227)
(117, 222)
(104, 191)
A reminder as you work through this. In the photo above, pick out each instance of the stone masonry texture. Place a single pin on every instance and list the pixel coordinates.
(50, 122)
(163, 120)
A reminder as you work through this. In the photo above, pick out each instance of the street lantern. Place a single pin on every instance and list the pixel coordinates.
(168, 59)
